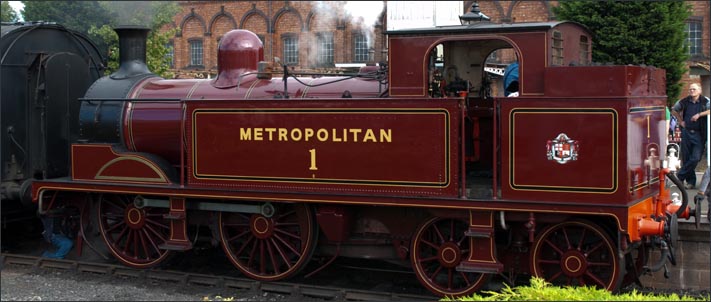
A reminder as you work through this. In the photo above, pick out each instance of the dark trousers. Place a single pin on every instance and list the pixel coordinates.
(692, 146)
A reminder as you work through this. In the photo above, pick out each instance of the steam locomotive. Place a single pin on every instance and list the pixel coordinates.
(563, 182)
(45, 68)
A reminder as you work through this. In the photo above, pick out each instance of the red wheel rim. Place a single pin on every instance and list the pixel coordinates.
(269, 248)
(576, 254)
(132, 234)
(438, 247)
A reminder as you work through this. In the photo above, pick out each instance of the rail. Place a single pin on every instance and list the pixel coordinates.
(183, 278)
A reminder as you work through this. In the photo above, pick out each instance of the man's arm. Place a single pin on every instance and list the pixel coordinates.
(675, 112)
(705, 112)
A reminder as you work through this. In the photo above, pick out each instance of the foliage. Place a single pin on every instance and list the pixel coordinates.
(636, 32)
(540, 290)
(76, 15)
(144, 13)
(7, 14)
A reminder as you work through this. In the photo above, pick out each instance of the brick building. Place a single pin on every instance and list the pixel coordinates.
(303, 34)
(318, 34)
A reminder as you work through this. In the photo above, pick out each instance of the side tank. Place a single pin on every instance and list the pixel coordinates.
(144, 112)
(45, 68)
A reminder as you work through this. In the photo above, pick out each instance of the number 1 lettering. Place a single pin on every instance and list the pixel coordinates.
(313, 160)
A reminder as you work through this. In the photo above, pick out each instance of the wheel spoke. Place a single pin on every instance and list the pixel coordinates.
(466, 279)
(434, 246)
(120, 235)
(118, 216)
(288, 234)
(246, 243)
(555, 276)
(450, 279)
(158, 235)
(113, 227)
(552, 245)
(146, 252)
(439, 234)
(582, 239)
(286, 214)
(289, 246)
(593, 249)
(262, 262)
(251, 253)
(545, 261)
(113, 204)
(603, 264)
(153, 243)
(595, 278)
(434, 274)
(567, 240)
(128, 241)
(281, 253)
(428, 259)
(271, 257)
(451, 230)
(235, 237)
(160, 225)
(135, 243)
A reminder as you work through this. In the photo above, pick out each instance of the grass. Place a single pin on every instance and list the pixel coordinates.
(540, 290)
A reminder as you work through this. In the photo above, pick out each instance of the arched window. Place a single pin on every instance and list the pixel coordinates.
(360, 48)
(324, 49)
(195, 52)
(290, 44)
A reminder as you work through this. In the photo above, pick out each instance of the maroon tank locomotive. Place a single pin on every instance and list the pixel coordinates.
(563, 182)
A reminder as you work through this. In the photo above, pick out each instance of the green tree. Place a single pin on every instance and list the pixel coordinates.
(154, 15)
(7, 14)
(76, 15)
(635, 32)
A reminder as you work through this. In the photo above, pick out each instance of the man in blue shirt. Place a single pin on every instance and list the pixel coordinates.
(692, 112)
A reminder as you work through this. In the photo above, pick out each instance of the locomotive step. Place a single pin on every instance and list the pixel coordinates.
(484, 268)
(479, 232)
(174, 216)
(176, 246)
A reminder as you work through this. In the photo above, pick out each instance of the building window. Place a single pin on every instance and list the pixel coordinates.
(170, 55)
(195, 52)
(694, 29)
(291, 49)
(324, 50)
(557, 48)
(584, 50)
(261, 38)
(360, 48)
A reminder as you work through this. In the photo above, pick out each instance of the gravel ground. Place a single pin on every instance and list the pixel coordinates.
(26, 284)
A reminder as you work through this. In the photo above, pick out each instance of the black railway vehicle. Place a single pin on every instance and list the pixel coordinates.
(45, 68)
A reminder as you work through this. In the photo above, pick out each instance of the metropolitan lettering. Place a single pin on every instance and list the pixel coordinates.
(343, 135)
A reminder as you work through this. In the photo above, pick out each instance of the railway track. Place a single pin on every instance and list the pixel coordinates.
(294, 290)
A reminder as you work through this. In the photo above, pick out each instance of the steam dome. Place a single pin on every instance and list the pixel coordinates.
(239, 52)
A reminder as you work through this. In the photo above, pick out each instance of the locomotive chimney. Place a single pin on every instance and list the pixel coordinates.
(132, 51)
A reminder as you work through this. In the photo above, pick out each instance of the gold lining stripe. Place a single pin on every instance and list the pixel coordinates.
(443, 184)
(306, 89)
(562, 188)
(158, 172)
(249, 91)
(192, 90)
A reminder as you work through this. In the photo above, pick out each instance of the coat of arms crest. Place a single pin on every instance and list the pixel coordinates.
(562, 149)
